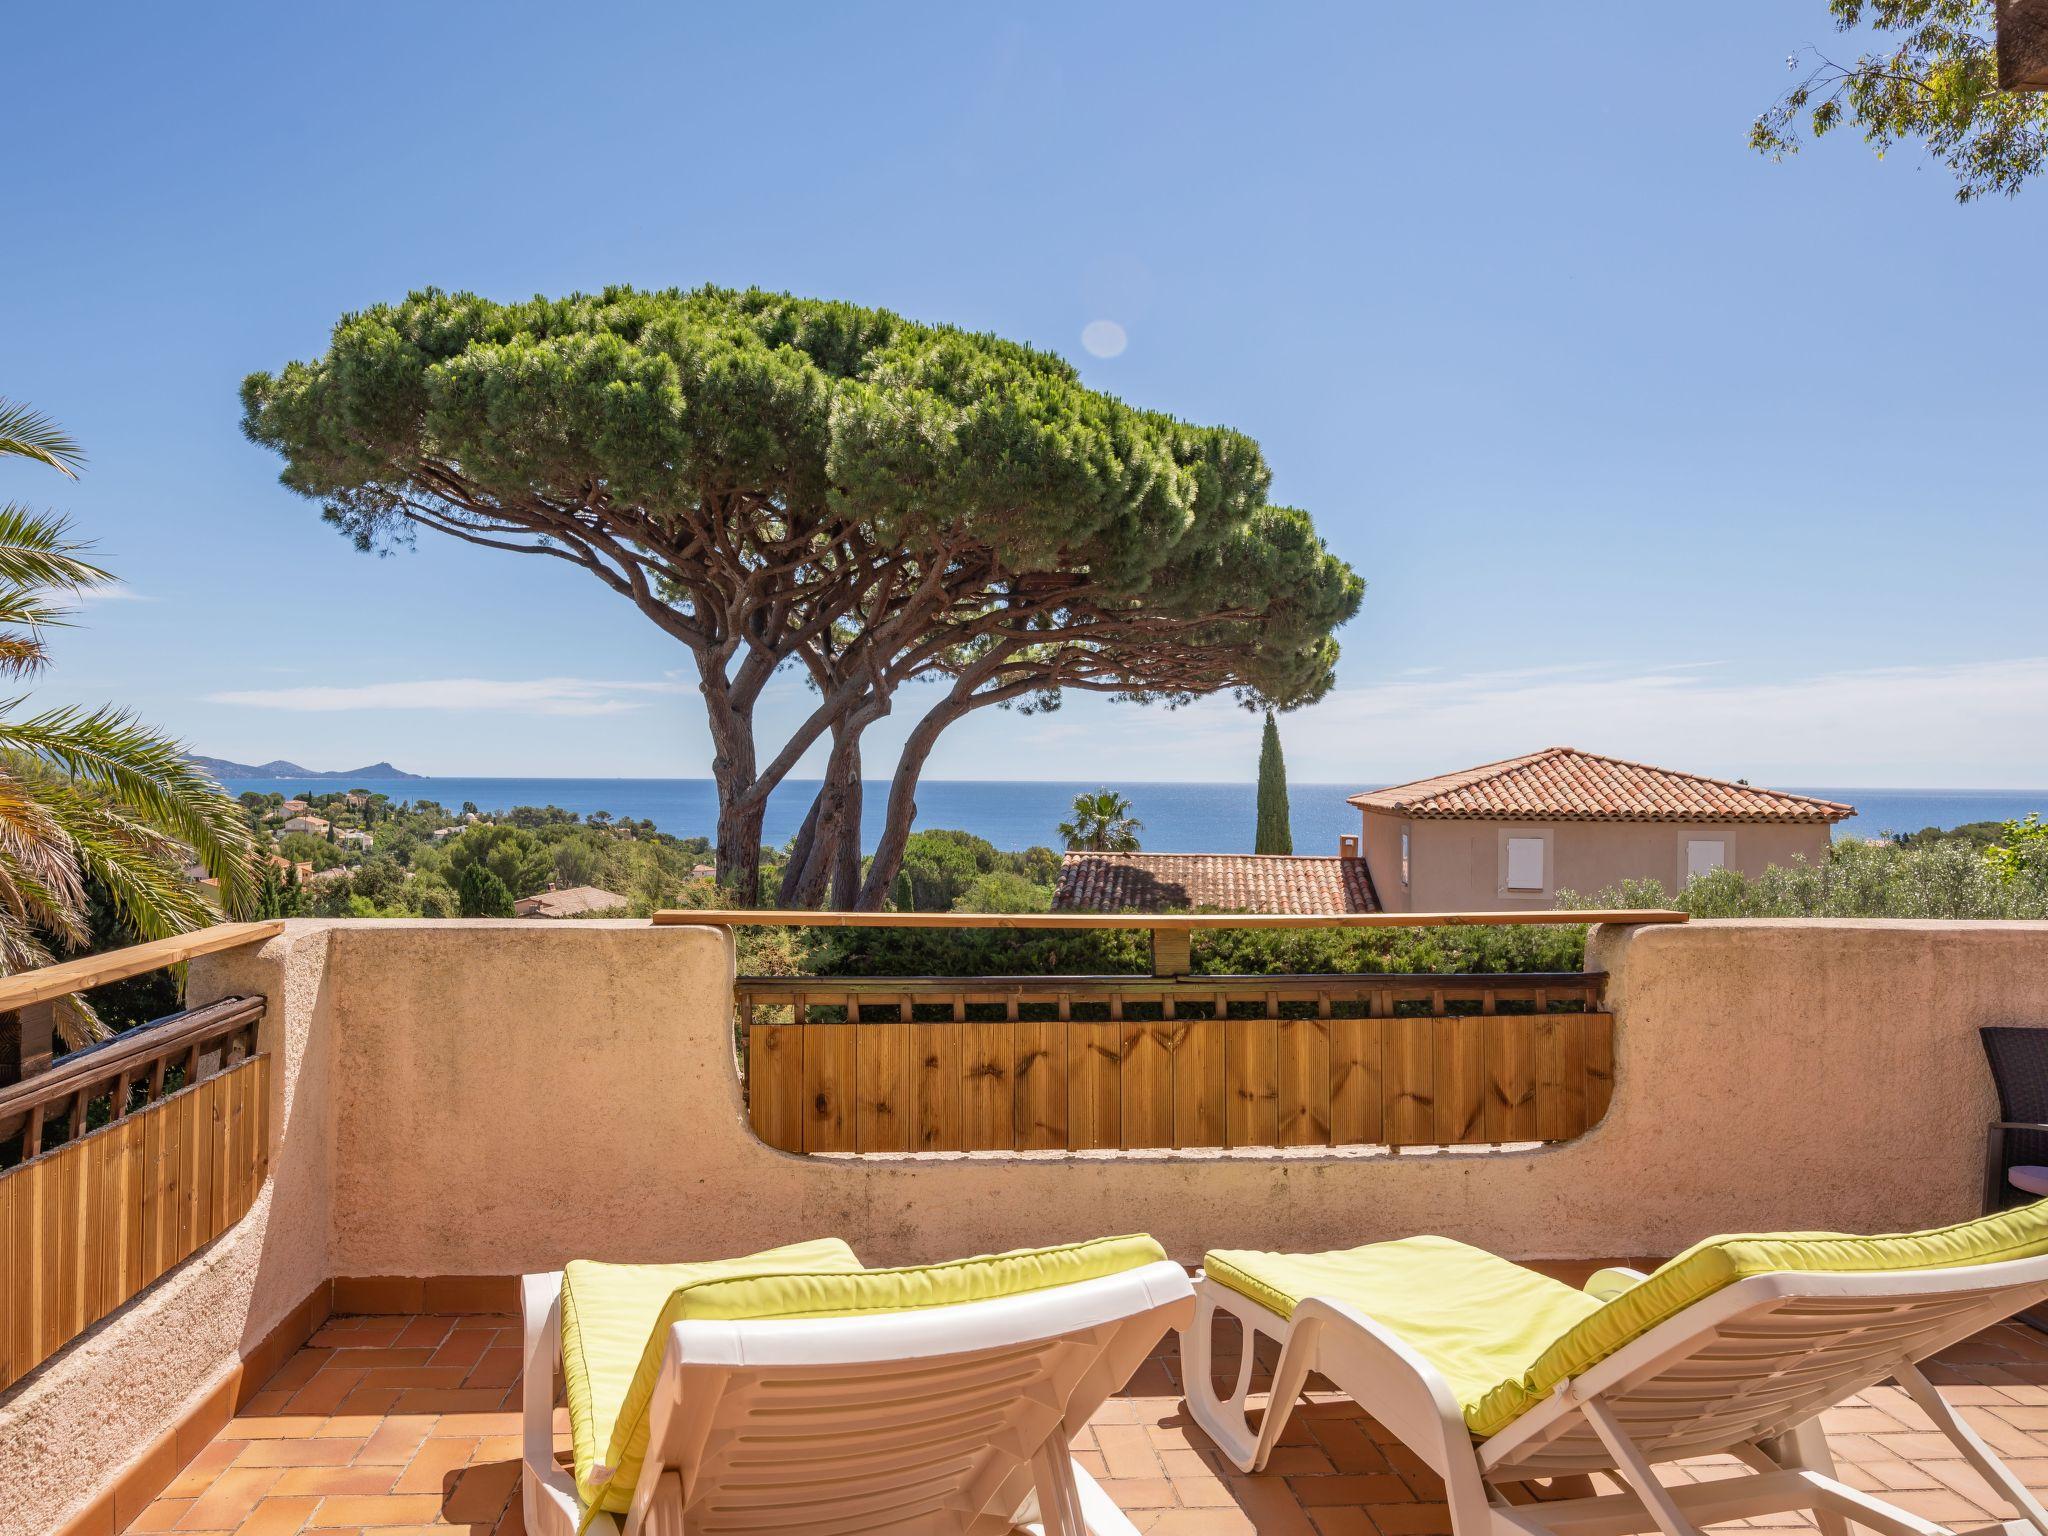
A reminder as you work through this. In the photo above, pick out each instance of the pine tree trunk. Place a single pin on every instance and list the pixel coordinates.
(846, 867)
(902, 811)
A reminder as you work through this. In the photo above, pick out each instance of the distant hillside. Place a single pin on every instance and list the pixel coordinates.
(278, 768)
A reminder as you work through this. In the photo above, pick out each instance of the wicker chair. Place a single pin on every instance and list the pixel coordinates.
(2016, 1156)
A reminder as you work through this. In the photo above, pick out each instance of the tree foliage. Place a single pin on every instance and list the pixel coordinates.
(1933, 77)
(1275, 831)
(481, 893)
(790, 483)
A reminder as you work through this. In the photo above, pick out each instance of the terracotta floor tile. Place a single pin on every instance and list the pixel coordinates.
(427, 1331)
(463, 1349)
(201, 1470)
(499, 1367)
(325, 1448)
(228, 1500)
(388, 1509)
(480, 1493)
(323, 1481)
(397, 1440)
(304, 1452)
(277, 1517)
(324, 1393)
(163, 1515)
(431, 1467)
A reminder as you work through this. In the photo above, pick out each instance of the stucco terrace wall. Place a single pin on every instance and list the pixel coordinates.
(100, 1403)
(488, 1098)
(508, 1097)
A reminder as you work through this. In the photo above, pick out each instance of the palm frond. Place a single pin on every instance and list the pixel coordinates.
(37, 550)
(39, 876)
(29, 434)
(22, 655)
(145, 773)
(137, 867)
(21, 947)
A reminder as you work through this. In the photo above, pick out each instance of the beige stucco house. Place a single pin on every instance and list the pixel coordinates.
(1513, 834)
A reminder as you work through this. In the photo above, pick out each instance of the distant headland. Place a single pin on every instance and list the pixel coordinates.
(278, 768)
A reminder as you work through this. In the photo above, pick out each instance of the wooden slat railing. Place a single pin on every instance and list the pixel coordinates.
(129, 1156)
(917, 1064)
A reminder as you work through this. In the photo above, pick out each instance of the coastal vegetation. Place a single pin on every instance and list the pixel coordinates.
(371, 856)
(785, 484)
(99, 813)
(1933, 876)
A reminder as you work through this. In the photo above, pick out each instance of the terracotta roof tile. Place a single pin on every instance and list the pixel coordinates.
(1228, 882)
(1565, 784)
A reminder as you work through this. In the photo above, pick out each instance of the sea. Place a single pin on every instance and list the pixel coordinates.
(1177, 817)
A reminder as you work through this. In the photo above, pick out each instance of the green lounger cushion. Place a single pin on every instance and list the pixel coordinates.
(763, 1293)
(1478, 1319)
(1504, 1341)
(608, 1311)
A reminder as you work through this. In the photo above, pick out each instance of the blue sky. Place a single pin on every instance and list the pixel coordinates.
(1643, 443)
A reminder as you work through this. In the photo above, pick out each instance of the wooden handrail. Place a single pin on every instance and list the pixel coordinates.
(1167, 922)
(55, 981)
(147, 1043)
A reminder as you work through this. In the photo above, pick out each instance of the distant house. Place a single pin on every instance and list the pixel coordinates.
(294, 808)
(1226, 882)
(286, 866)
(1512, 834)
(704, 872)
(356, 798)
(577, 901)
(441, 834)
(317, 825)
(356, 837)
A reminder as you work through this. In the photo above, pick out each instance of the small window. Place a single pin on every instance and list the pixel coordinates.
(1525, 863)
(1704, 855)
(1404, 855)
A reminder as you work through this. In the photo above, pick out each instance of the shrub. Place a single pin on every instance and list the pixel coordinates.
(1951, 880)
(1002, 891)
(482, 893)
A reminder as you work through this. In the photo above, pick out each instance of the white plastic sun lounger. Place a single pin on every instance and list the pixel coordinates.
(940, 1420)
(1745, 1370)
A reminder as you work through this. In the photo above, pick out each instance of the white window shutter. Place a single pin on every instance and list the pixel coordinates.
(1525, 863)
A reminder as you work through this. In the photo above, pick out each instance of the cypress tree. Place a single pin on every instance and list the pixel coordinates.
(1276, 832)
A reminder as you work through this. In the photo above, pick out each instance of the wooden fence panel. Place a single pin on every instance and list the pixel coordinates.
(1560, 1076)
(1251, 1057)
(1302, 1083)
(1357, 1106)
(1095, 1070)
(1148, 1084)
(1041, 1086)
(1164, 1079)
(1598, 1029)
(775, 1093)
(1200, 1085)
(1511, 1077)
(1410, 1081)
(988, 1102)
(881, 1054)
(87, 1226)
(1459, 1065)
(935, 1088)
(829, 1084)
